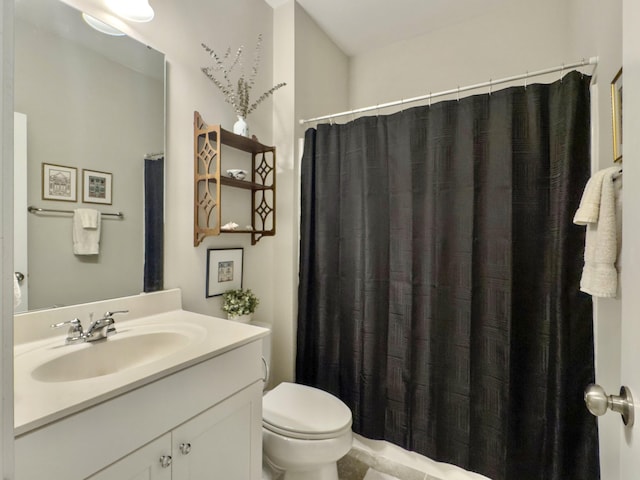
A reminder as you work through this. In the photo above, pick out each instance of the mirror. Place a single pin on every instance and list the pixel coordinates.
(94, 107)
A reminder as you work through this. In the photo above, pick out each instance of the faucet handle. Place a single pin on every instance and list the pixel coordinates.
(75, 332)
(111, 314)
(74, 325)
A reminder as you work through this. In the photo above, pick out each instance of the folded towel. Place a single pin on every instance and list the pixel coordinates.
(88, 217)
(598, 211)
(86, 239)
(17, 293)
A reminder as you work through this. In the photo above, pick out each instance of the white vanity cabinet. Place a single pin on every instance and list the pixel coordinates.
(215, 444)
(143, 464)
(206, 416)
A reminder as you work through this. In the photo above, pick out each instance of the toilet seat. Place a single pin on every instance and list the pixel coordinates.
(303, 412)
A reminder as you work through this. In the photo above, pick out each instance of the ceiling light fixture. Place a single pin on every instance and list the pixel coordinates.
(100, 26)
(134, 10)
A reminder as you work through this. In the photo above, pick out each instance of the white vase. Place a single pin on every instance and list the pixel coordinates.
(239, 318)
(241, 127)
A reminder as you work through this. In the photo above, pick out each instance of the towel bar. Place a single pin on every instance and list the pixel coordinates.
(46, 210)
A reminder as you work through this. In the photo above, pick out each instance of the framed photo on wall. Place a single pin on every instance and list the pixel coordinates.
(224, 270)
(96, 187)
(59, 183)
(616, 110)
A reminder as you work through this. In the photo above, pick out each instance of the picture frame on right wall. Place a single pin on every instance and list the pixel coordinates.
(616, 115)
(96, 187)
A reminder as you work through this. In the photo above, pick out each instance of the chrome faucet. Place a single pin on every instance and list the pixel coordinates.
(102, 327)
(98, 329)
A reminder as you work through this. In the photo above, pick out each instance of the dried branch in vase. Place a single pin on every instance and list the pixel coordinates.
(237, 93)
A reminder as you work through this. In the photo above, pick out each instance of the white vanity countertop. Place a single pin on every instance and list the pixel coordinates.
(38, 403)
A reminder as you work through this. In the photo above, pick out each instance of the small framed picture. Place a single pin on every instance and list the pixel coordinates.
(59, 183)
(616, 110)
(96, 187)
(224, 270)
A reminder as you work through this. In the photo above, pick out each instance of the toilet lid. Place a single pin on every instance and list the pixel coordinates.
(303, 412)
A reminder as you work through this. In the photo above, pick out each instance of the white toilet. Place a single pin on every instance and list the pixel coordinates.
(305, 431)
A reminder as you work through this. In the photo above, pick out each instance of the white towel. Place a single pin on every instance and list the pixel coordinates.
(17, 293)
(598, 210)
(86, 231)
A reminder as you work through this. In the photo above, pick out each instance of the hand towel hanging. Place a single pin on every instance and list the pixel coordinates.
(86, 231)
(599, 210)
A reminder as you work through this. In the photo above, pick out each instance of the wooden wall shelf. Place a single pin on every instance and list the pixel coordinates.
(208, 142)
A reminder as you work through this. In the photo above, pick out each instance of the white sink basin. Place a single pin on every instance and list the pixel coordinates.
(53, 380)
(133, 346)
(109, 356)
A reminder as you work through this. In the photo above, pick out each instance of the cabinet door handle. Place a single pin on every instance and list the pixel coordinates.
(185, 448)
(165, 461)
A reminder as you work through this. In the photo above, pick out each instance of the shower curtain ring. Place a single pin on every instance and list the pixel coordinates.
(526, 78)
(490, 86)
(458, 94)
(429, 99)
(562, 73)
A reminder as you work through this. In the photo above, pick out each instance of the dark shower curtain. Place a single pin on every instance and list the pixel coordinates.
(439, 275)
(153, 224)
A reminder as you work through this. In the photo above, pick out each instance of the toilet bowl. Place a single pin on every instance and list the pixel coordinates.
(305, 431)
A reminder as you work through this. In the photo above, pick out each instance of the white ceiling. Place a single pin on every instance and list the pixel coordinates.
(66, 22)
(357, 26)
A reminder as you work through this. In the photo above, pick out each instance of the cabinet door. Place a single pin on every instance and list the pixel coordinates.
(224, 442)
(143, 464)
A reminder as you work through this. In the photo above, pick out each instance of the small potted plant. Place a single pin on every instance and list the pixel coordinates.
(239, 304)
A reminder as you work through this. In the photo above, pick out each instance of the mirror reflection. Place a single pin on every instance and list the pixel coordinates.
(90, 108)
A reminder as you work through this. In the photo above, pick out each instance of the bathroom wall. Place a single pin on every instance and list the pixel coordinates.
(521, 37)
(177, 30)
(6, 239)
(517, 37)
(317, 71)
(112, 117)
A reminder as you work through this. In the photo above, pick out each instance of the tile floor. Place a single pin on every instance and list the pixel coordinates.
(362, 465)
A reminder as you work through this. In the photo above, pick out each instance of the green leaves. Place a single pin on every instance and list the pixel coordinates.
(239, 302)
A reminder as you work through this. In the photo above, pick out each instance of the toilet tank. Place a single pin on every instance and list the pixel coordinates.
(266, 351)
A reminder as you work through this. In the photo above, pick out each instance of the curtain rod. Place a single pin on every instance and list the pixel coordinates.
(458, 90)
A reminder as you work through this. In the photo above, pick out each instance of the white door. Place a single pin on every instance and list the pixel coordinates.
(20, 207)
(630, 341)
